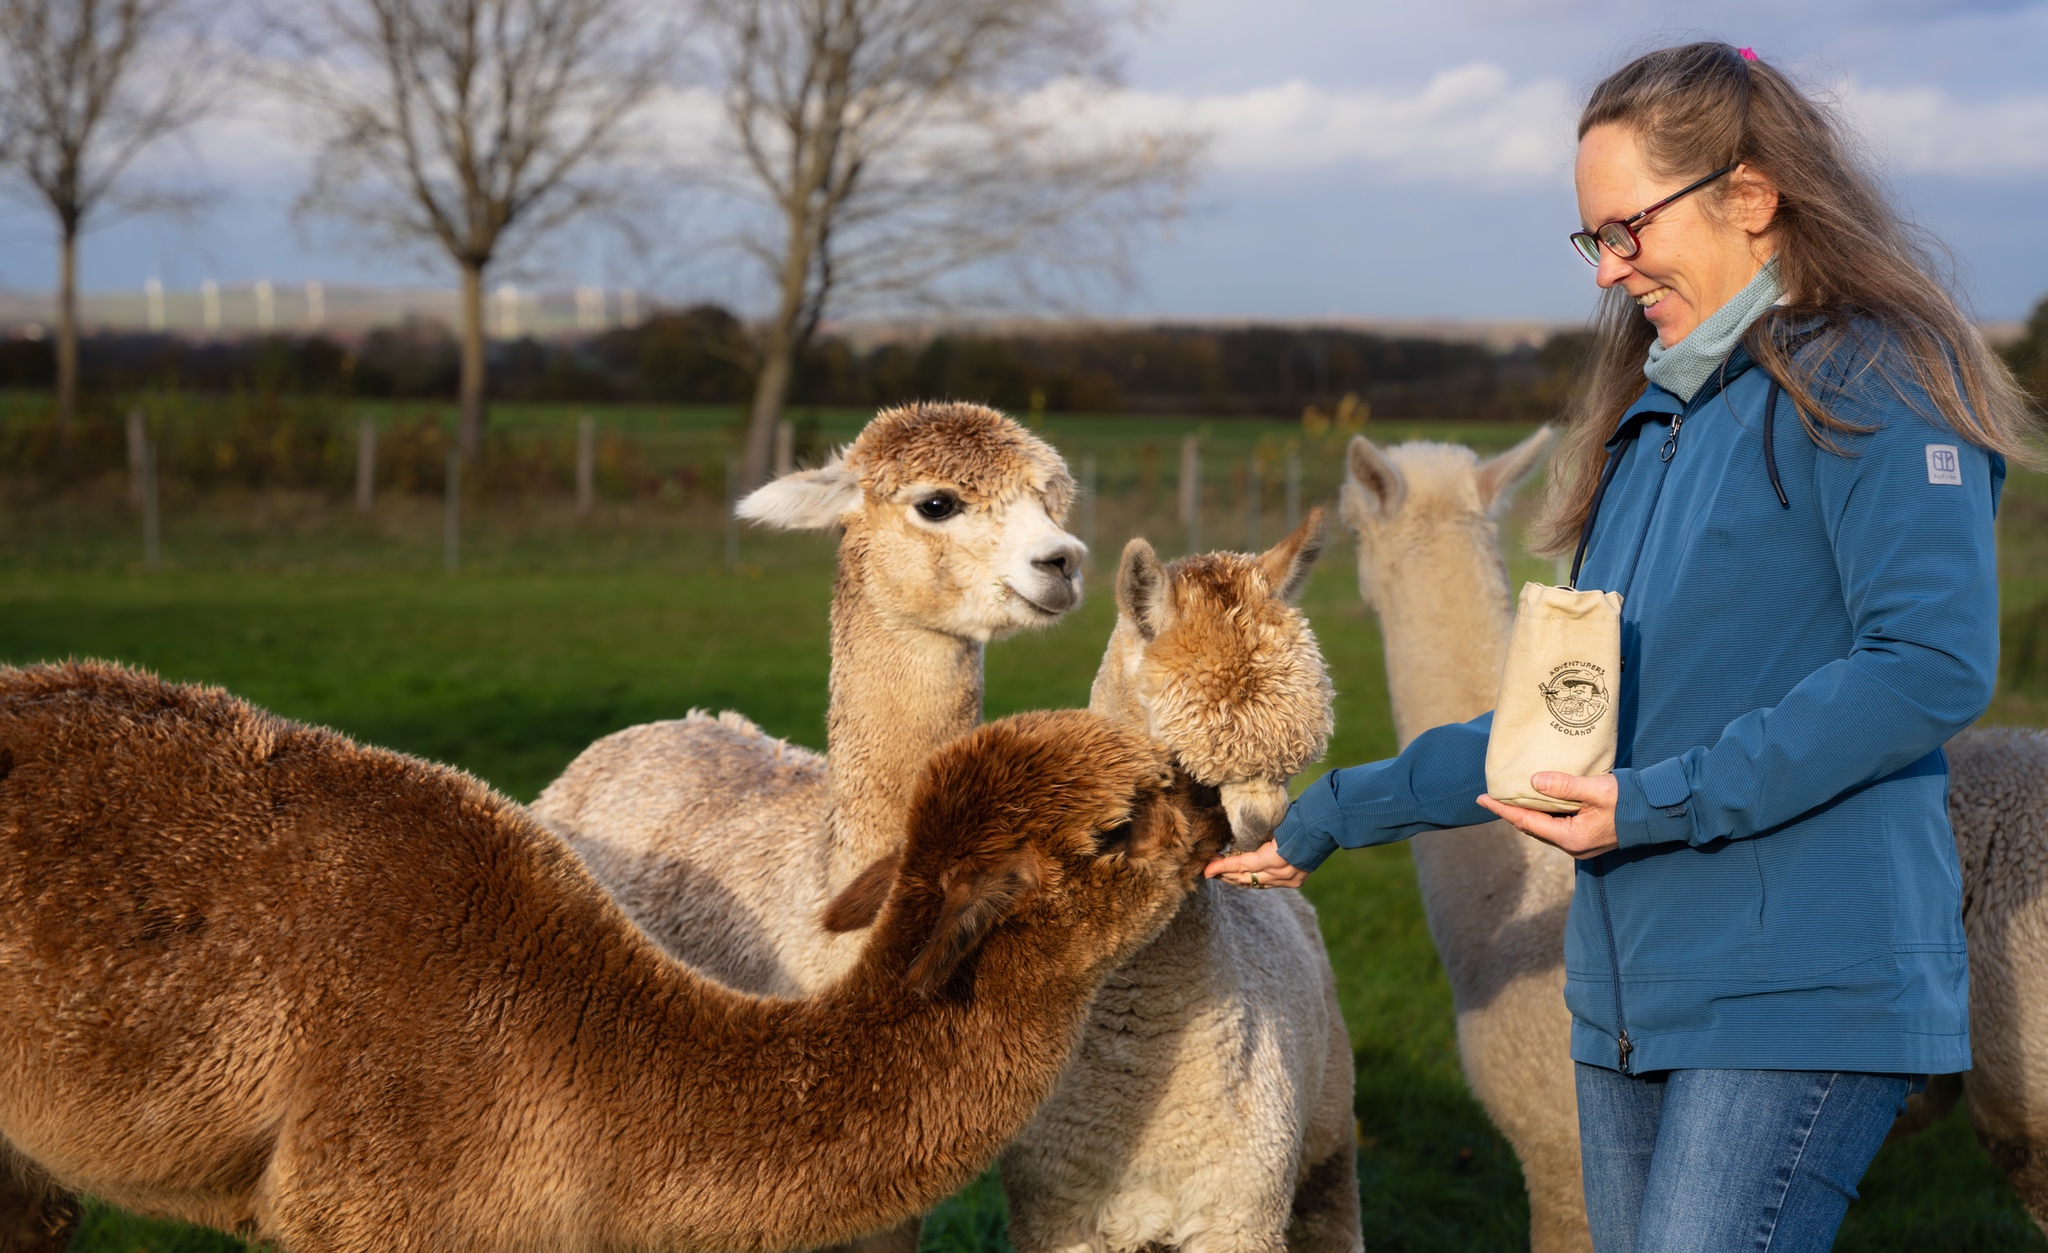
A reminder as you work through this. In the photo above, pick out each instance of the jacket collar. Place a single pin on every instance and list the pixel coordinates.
(1655, 402)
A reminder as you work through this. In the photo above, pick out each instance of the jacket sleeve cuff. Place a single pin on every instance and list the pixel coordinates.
(1654, 805)
(1305, 836)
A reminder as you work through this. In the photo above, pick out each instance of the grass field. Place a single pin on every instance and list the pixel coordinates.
(561, 630)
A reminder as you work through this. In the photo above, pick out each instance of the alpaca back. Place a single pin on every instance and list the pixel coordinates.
(219, 925)
(711, 835)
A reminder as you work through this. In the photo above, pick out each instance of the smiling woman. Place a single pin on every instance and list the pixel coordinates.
(1764, 950)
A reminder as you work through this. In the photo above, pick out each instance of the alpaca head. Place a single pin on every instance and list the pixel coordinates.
(1429, 508)
(952, 517)
(1066, 823)
(1211, 660)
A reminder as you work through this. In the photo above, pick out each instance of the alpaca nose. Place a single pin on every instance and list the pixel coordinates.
(1062, 560)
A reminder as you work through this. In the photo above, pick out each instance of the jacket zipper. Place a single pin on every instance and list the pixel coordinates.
(1614, 964)
(1664, 454)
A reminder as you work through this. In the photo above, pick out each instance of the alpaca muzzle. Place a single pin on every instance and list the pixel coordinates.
(1255, 807)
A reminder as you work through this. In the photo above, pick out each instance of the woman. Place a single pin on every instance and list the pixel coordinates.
(1765, 947)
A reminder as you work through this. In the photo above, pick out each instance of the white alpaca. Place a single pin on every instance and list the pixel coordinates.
(725, 843)
(1429, 564)
(1208, 1106)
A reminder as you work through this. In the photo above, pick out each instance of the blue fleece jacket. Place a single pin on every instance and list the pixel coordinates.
(1786, 894)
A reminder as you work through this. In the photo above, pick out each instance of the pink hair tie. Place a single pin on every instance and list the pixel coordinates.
(1748, 54)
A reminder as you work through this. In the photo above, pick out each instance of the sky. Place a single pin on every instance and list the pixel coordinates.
(1367, 159)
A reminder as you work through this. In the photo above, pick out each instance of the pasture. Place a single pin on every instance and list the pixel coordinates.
(562, 628)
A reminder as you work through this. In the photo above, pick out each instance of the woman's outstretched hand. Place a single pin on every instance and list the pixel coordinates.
(1587, 833)
(1263, 867)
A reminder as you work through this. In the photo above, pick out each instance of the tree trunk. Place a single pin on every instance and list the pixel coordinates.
(778, 354)
(771, 389)
(67, 338)
(472, 428)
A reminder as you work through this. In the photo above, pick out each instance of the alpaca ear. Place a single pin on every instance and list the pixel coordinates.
(860, 901)
(806, 500)
(1502, 474)
(977, 898)
(1287, 563)
(1142, 594)
(1370, 479)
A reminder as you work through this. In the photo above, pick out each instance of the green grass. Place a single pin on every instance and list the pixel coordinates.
(563, 630)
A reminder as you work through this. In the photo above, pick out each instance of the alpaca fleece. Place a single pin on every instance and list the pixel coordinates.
(257, 976)
(1998, 805)
(1429, 565)
(1209, 1103)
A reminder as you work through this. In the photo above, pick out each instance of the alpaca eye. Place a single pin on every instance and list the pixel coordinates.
(1113, 840)
(937, 508)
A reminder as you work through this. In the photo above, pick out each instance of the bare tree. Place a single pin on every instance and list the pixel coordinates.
(85, 87)
(471, 127)
(926, 152)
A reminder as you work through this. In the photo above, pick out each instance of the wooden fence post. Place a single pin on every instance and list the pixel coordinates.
(366, 464)
(152, 521)
(586, 465)
(732, 513)
(1293, 491)
(138, 437)
(1191, 490)
(451, 515)
(1252, 503)
(1087, 503)
(785, 447)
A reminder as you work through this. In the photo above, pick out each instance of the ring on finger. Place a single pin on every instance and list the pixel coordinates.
(1255, 880)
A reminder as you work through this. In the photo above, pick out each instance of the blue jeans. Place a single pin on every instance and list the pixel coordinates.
(1713, 1161)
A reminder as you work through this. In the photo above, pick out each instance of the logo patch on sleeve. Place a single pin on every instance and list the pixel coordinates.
(1942, 465)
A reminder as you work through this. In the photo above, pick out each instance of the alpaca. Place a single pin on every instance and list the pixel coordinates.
(255, 976)
(1429, 564)
(1208, 1106)
(951, 537)
(1998, 806)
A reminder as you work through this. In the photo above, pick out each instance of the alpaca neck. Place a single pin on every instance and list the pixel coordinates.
(868, 1100)
(1443, 609)
(898, 691)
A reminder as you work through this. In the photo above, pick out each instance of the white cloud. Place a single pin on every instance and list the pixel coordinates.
(1468, 124)
(1925, 130)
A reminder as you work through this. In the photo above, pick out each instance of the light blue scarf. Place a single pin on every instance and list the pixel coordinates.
(1685, 367)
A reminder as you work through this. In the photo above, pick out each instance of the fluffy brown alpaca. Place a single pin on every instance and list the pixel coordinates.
(1429, 564)
(258, 977)
(1208, 1106)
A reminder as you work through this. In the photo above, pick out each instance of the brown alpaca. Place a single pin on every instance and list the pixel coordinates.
(1429, 565)
(256, 976)
(1208, 1106)
(659, 810)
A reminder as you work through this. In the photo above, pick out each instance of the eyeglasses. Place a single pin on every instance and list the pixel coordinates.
(1620, 235)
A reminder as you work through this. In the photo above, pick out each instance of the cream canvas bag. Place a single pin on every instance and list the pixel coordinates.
(1556, 709)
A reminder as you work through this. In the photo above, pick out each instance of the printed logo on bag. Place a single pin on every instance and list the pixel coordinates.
(1576, 696)
(1942, 465)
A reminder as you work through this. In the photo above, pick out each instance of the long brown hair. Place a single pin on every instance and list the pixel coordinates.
(1844, 258)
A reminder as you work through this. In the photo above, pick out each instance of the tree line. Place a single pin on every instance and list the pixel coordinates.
(703, 355)
(892, 153)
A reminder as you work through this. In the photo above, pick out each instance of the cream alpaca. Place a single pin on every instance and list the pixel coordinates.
(1208, 1106)
(726, 843)
(1998, 805)
(1429, 564)
(255, 976)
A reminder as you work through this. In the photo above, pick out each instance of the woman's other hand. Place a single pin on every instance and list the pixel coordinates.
(1587, 833)
(1263, 867)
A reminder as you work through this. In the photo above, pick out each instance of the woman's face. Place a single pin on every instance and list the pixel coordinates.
(1692, 261)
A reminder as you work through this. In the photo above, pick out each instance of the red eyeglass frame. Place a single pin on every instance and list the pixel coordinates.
(1598, 235)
